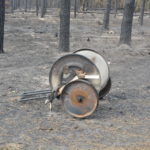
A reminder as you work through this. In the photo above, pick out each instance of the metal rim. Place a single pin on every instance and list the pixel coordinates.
(82, 49)
(70, 95)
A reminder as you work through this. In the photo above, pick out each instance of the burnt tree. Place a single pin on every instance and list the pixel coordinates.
(106, 15)
(43, 8)
(64, 26)
(30, 4)
(26, 5)
(126, 26)
(116, 7)
(2, 20)
(75, 8)
(18, 4)
(142, 11)
(12, 6)
(37, 7)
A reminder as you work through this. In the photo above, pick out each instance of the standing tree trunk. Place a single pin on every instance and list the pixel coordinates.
(26, 5)
(12, 6)
(64, 26)
(149, 9)
(30, 4)
(75, 8)
(126, 26)
(106, 15)
(116, 7)
(37, 7)
(83, 6)
(43, 8)
(142, 12)
(2, 20)
(87, 5)
(18, 4)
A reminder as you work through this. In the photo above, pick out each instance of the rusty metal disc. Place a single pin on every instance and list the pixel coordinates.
(63, 70)
(79, 98)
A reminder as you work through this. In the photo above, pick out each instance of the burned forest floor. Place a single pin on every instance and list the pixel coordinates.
(122, 119)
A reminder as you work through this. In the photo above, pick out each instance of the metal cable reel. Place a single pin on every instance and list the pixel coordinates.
(80, 79)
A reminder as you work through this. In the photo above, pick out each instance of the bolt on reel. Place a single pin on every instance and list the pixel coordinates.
(79, 80)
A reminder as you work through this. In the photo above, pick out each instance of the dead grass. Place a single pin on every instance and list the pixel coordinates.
(11, 146)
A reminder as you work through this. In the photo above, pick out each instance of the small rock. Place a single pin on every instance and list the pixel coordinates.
(148, 87)
(121, 112)
(56, 34)
(88, 39)
(110, 108)
(111, 125)
(76, 127)
(99, 22)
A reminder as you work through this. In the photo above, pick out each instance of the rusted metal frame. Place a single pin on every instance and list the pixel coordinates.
(35, 95)
(36, 92)
(34, 98)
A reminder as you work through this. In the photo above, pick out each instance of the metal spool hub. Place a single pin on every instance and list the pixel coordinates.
(79, 98)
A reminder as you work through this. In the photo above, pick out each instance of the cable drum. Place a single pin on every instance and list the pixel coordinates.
(80, 80)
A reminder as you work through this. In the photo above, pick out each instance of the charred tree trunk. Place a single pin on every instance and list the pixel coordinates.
(87, 5)
(30, 4)
(83, 6)
(37, 7)
(75, 8)
(26, 5)
(126, 26)
(142, 12)
(12, 6)
(43, 8)
(116, 7)
(18, 4)
(149, 9)
(106, 15)
(64, 26)
(2, 20)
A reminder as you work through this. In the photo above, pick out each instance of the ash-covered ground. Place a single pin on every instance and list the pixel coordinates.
(122, 120)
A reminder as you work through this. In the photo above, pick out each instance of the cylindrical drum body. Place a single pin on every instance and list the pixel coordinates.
(101, 65)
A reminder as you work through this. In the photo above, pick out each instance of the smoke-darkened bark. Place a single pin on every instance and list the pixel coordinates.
(37, 7)
(43, 8)
(126, 26)
(106, 15)
(2, 20)
(142, 11)
(64, 26)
